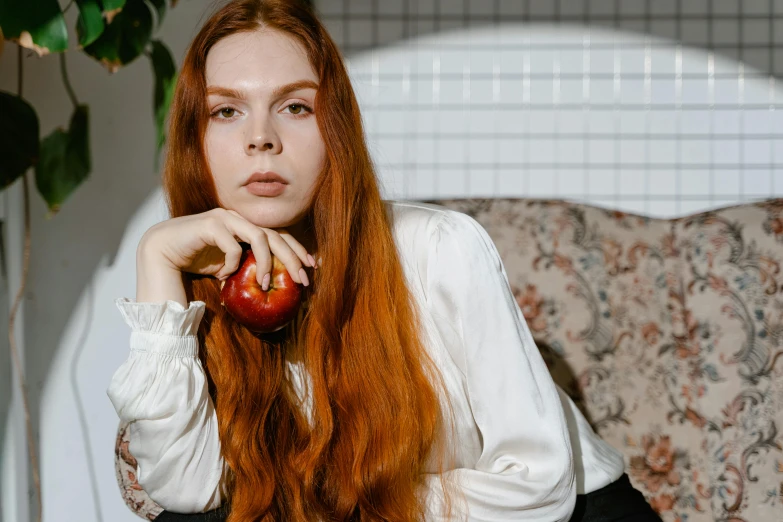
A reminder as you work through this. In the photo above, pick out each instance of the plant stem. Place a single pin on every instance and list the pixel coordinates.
(12, 317)
(68, 6)
(19, 75)
(68, 88)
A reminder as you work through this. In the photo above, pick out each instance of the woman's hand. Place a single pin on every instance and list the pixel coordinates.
(208, 244)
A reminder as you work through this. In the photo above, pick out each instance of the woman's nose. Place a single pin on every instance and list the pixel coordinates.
(262, 144)
(263, 137)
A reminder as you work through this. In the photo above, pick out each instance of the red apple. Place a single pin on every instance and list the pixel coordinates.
(251, 306)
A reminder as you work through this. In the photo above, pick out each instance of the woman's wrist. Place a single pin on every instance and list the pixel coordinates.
(156, 280)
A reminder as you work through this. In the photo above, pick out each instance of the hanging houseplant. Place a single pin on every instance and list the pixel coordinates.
(114, 33)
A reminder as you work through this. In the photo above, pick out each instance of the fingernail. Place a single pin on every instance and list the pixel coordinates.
(265, 283)
(311, 260)
(303, 275)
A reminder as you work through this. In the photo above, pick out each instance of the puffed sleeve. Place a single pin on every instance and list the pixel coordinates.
(161, 389)
(525, 470)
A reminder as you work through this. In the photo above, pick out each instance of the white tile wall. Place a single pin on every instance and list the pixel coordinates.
(484, 99)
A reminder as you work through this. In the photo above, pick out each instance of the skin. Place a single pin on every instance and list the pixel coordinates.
(259, 131)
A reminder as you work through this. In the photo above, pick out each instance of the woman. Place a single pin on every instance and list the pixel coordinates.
(409, 386)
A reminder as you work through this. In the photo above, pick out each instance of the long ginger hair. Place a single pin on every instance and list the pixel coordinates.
(376, 396)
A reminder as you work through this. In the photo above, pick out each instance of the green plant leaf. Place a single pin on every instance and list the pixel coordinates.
(125, 38)
(165, 71)
(160, 7)
(111, 5)
(35, 24)
(112, 8)
(18, 138)
(65, 160)
(89, 25)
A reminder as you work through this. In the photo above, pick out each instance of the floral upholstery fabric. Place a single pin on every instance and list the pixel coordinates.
(667, 334)
(125, 467)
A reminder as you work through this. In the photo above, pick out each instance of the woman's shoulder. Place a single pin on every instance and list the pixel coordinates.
(419, 209)
(429, 221)
(415, 217)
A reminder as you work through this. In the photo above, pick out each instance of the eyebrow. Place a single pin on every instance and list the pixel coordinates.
(277, 93)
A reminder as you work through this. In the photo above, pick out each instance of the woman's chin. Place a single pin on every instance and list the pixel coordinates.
(266, 214)
(264, 221)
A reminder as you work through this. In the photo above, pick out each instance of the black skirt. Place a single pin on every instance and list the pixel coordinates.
(216, 515)
(617, 502)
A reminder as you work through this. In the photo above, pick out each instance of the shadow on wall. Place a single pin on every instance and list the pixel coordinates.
(5, 355)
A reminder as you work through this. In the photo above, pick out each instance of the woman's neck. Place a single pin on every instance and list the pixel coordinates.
(304, 235)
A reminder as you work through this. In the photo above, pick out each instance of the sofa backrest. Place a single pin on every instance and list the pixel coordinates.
(667, 333)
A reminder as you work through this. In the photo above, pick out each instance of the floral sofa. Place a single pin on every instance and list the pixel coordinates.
(667, 333)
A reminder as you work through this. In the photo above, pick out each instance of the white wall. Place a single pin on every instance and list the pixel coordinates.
(662, 108)
(13, 461)
(618, 119)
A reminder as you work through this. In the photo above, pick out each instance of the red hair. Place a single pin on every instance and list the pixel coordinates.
(376, 394)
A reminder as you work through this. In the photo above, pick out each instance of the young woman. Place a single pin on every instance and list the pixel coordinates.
(409, 386)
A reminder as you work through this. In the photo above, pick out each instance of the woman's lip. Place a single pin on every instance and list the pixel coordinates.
(266, 176)
(266, 188)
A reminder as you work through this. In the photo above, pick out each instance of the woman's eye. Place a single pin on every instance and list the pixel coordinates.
(216, 115)
(299, 109)
(223, 110)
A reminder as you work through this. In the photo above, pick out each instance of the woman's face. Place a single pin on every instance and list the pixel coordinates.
(260, 95)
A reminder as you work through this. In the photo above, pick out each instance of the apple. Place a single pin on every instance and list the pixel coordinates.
(252, 307)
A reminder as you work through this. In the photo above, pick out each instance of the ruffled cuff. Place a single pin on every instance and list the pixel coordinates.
(166, 318)
(167, 328)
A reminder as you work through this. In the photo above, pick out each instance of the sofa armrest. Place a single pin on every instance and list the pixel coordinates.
(125, 467)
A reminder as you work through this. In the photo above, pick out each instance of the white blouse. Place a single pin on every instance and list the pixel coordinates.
(523, 449)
